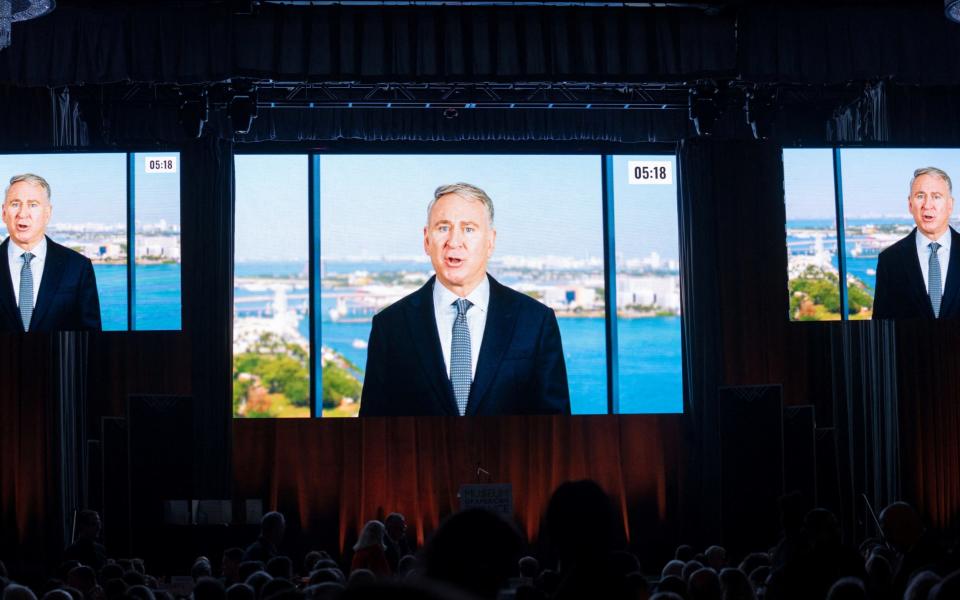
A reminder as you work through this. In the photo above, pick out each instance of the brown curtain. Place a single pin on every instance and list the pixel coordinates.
(330, 476)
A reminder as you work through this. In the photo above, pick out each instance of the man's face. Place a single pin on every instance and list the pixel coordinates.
(459, 239)
(930, 204)
(26, 212)
(396, 528)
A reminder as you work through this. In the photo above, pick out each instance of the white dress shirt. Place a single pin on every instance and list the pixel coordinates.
(15, 257)
(446, 313)
(943, 255)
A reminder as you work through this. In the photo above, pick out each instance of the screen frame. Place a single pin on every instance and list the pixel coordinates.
(129, 152)
(602, 150)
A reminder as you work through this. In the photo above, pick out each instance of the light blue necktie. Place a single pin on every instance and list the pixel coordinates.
(933, 285)
(461, 371)
(26, 291)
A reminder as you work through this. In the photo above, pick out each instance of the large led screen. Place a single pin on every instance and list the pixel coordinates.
(352, 311)
(892, 204)
(67, 221)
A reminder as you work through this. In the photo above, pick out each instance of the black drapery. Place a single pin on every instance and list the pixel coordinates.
(204, 42)
(191, 43)
(206, 200)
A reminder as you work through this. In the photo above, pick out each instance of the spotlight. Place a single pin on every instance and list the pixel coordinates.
(450, 113)
(760, 108)
(704, 108)
(193, 115)
(243, 110)
(951, 8)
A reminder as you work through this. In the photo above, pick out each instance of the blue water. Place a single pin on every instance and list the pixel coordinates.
(157, 298)
(649, 357)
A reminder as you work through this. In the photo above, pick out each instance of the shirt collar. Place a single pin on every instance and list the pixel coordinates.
(923, 242)
(39, 251)
(480, 296)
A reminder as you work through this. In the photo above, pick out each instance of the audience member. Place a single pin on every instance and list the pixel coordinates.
(249, 567)
(18, 592)
(847, 588)
(370, 551)
(716, 558)
(396, 539)
(684, 553)
(272, 528)
(473, 550)
(85, 548)
(280, 566)
(920, 585)
(230, 565)
(208, 588)
(916, 547)
(361, 577)
(704, 584)
(736, 585)
(947, 589)
(201, 568)
(673, 567)
(240, 591)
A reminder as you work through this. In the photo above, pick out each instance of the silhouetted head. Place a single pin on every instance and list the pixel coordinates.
(14, 591)
(272, 527)
(396, 525)
(847, 588)
(673, 584)
(474, 550)
(241, 591)
(581, 524)
(361, 577)
(230, 564)
(371, 535)
(88, 525)
(704, 584)
(529, 567)
(947, 589)
(736, 585)
(280, 566)
(673, 567)
(901, 526)
(249, 567)
(83, 578)
(684, 553)
(201, 568)
(920, 585)
(716, 557)
(208, 588)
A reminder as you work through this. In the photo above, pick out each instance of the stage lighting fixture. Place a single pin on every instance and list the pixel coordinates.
(193, 115)
(704, 108)
(12, 11)
(760, 108)
(243, 110)
(450, 113)
(952, 9)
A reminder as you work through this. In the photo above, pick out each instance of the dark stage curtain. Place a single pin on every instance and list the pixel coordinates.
(30, 472)
(39, 119)
(330, 476)
(206, 198)
(838, 44)
(200, 43)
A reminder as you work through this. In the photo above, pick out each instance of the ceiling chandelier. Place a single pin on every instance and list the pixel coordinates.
(20, 10)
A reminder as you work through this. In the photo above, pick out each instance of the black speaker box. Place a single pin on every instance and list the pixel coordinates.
(751, 463)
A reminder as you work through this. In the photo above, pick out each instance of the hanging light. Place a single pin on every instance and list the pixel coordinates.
(20, 10)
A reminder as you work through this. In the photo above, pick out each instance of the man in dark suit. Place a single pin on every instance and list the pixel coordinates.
(43, 285)
(919, 276)
(464, 344)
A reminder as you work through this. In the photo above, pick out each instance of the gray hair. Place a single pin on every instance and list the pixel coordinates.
(932, 171)
(28, 178)
(464, 190)
(371, 535)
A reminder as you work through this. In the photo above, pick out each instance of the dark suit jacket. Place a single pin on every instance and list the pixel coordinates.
(67, 300)
(520, 369)
(901, 292)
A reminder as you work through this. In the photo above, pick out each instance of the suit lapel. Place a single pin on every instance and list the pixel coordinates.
(8, 301)
(52, 269)
(501, 318)
(915, 275)
(422, 324)
(951, 287)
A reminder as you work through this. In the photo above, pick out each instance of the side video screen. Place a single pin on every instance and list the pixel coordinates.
(92, 242)
(881, 221)
(355, 308)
